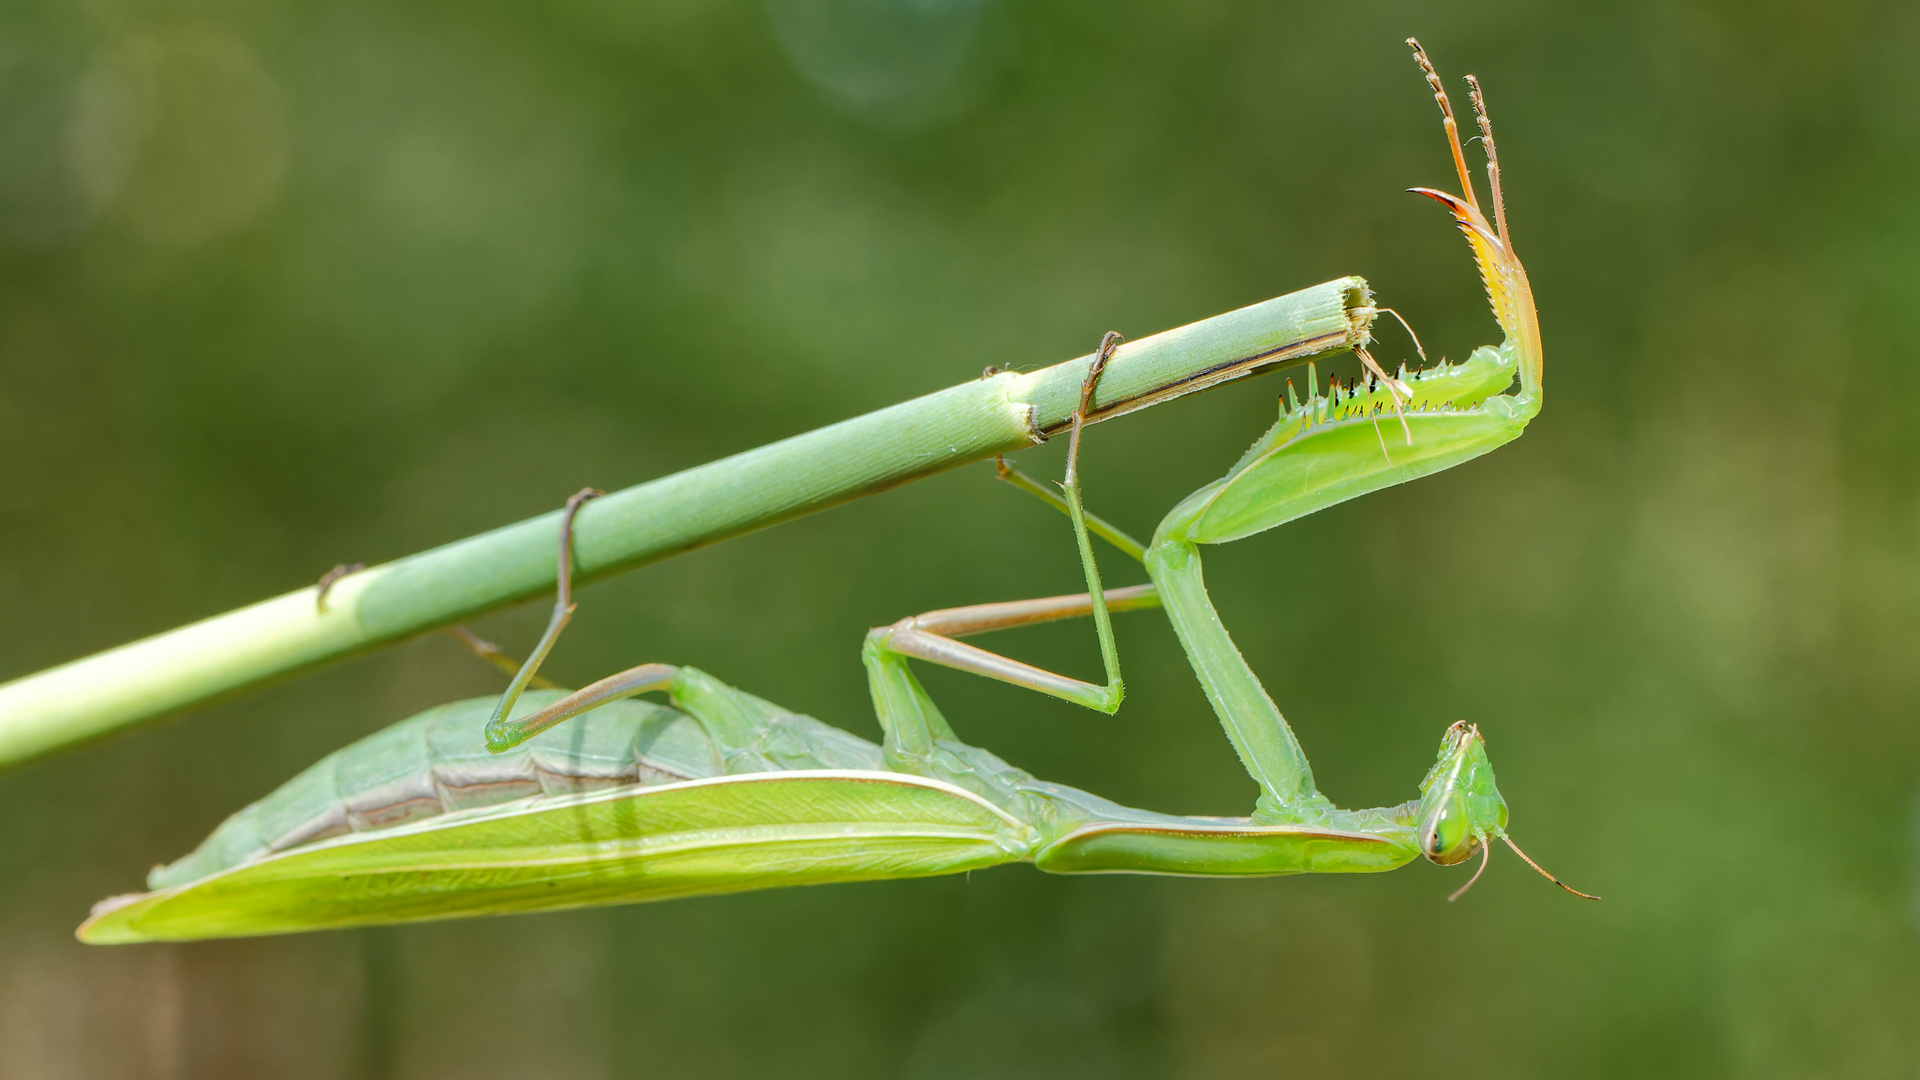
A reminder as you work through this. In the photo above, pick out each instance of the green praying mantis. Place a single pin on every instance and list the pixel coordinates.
(547, 799)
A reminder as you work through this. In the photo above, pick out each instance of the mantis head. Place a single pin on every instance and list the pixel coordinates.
(1460, 806)
(1461, 811)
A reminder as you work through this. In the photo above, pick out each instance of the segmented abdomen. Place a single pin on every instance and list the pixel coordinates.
(437, 763)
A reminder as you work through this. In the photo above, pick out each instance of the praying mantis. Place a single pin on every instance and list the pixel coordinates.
(547, 799)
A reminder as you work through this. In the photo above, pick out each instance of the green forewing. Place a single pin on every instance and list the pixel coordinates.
(437, 763)
(687, 839)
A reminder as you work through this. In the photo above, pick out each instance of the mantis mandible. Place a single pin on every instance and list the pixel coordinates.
(725, 792)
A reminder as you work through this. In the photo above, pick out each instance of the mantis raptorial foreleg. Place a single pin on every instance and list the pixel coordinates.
(1316, 457)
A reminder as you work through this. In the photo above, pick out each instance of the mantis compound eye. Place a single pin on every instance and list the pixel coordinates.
(1446, 836)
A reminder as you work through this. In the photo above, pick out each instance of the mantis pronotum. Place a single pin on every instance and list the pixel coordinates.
(725, 792)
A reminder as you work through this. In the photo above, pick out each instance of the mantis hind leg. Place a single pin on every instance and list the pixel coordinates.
(753, 735)
(507, 732)
(749, 734)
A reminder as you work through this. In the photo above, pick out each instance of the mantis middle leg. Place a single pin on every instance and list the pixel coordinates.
(918, 738)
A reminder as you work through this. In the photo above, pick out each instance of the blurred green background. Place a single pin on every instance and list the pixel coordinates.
(289, 284)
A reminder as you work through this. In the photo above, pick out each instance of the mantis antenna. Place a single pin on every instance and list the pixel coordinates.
(1486, 856)
(1536, 866)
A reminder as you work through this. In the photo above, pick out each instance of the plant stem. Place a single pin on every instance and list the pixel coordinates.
(105, 693)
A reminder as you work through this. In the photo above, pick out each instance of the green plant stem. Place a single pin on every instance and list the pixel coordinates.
(111, 691)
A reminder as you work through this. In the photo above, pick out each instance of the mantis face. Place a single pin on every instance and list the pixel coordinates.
(1461, 810)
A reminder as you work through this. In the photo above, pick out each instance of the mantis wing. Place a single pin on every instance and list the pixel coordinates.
(698, 837)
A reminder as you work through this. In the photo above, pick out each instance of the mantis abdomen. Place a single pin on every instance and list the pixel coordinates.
(436, 763)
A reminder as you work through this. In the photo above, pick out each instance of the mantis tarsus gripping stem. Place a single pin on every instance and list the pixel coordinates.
(562, 614)
(1109, 342)
(1102, 623)
(327, 581)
